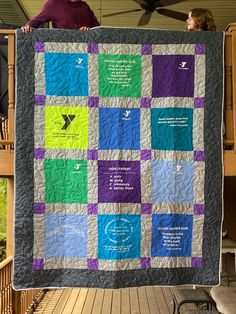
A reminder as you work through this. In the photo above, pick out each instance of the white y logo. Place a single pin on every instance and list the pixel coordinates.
(79, 61)
(182, 64)
(178, 168)
(127, 113)
(77, 166)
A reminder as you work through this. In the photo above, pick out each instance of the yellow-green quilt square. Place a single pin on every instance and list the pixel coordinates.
(66, 127)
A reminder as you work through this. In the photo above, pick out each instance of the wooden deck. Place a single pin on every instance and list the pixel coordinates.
(143, 300)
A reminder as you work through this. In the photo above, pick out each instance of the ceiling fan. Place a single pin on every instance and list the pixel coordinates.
(150, 6)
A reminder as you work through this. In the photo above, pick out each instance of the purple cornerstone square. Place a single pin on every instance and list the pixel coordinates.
(39, 208)
(196, 261)
(92, 209)
(146, 208)
(92, 263)
(39, 153)
(200, 49)
(40, 100)
(199, 102)
(146, 49)
(199, 209)
(145, 262)
(199, 155)
(93, 102)
(119, 182)
(92, 48)
(146, 102)
(92, 154)
(39, 47)
(38, 264)
(146, 154)
(173, 76)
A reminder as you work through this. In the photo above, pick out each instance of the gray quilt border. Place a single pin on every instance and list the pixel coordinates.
(208, 275)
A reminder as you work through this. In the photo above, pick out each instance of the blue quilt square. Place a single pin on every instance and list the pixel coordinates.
(65, 236)
(66, 74)
(119, 236)
(172, 129)
(119, 128)
(171, 235)
(172, 182)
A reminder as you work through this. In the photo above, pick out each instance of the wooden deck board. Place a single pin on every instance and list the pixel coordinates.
(143, 300)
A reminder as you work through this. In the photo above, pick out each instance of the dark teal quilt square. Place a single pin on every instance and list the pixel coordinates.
(171, 235)
(66, 74)
(66, 236)
(66, 181)
(119, 236)
(119, 128)
(172, 129)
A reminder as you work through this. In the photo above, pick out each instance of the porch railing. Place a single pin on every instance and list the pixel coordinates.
(11, 301)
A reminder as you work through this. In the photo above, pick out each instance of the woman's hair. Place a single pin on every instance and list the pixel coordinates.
(204, 19)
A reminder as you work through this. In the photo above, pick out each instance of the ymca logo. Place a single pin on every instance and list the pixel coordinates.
(178, 170)
(126, 115)
(183, 66)
(77, 166)
(68, 119)
(79, 62)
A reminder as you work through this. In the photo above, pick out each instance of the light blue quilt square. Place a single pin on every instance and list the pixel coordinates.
(171, 235)
(172, 128)
(119, 128)
(65, 236)
(119, 236)
(172, 182)
(66, 74)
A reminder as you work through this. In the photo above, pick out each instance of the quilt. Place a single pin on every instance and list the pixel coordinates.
(118, 158)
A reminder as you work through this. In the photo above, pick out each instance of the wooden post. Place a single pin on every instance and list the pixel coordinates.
(229, 133)
(10, 200)
(234, 83)
(11, 84)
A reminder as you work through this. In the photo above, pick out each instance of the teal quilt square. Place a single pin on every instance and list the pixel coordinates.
(172, 129)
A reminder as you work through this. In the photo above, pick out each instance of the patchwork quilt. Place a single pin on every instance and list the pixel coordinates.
(118, 158)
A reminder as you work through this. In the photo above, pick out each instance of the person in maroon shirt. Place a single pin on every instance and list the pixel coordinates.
(67, 14)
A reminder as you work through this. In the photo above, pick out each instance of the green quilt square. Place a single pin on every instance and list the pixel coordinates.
(66, 181)
(66, 127)
(120, 75)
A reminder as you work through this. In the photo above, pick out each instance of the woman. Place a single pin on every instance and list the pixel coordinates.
(200, 20)
(67, 14)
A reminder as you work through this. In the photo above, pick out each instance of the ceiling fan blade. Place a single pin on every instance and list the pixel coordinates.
(144, 19)
(122, 12)
(165, 3)
(173, 14)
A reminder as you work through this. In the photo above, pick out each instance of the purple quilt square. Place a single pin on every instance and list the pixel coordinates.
(199, 155)
(173, 76)
(146, 102)
(92, 263)
(92, 48)
(119, 182)
(145, 262)
(196, 262)
(92, 154)
(38, 264)
(199, 102)
(39, 153)
(39, 208)
(93, 102)
(39, 47)
(40, 100)
(200, 49)
(146, 49)
(146, 154)
(146, 209)
(92, 209)
(199, 209)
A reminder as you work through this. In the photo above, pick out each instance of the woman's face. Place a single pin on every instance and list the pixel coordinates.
(191, 23)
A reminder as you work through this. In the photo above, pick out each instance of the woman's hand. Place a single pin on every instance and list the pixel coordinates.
(84, 28)
(26, 29)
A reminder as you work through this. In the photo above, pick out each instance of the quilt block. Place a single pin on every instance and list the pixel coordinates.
(118, 158)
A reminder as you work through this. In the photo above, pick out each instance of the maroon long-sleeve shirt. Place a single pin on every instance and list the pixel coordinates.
(65, 14)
